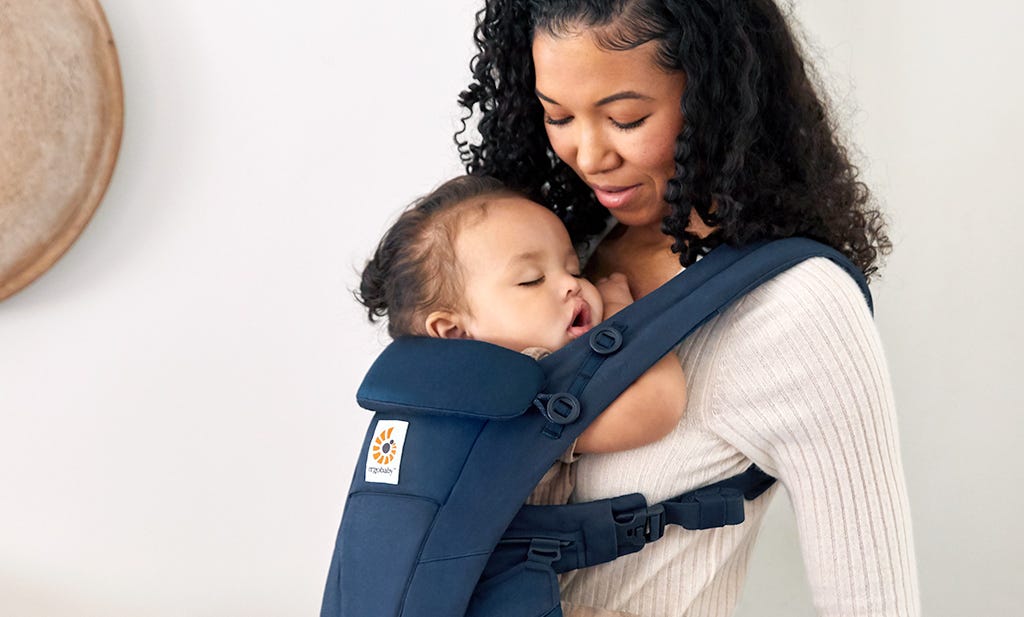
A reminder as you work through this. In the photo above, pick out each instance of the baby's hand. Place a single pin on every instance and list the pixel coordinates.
(614, 291)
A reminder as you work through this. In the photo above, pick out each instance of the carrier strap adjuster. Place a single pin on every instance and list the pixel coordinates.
(656, 522)
(635, 528)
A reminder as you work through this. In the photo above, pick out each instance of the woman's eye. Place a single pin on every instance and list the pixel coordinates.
(626, 126)
(532, 283)
(556, 121)
(578, 276)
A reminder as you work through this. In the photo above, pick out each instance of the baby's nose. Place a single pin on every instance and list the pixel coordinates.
(574, 286)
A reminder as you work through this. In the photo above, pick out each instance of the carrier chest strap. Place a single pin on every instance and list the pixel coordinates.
(569, 537)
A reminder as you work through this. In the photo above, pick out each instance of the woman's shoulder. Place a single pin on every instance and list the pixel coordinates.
(813, 290)
(812, 312)
(801, 347)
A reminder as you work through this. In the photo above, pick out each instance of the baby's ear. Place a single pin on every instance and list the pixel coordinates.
(445, 324)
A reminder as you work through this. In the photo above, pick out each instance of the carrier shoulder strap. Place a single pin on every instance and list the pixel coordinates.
(642, 333)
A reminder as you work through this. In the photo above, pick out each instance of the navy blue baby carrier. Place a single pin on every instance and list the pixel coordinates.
(434, 524)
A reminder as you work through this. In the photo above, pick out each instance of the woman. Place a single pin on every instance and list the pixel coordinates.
(657, 130)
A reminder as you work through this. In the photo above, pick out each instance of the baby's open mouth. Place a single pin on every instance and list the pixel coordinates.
(581, 321)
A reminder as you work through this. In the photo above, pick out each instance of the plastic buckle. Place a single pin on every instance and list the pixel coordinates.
(544, 550)
(605, 341)
(655, 523)
(562, 408)
(642, 526)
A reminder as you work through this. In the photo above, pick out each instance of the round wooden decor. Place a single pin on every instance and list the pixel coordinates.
(61, 115)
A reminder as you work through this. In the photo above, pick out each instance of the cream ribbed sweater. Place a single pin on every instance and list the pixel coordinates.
(792, 377)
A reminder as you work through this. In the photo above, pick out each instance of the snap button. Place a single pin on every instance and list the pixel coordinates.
(605, 341)
(562, 408)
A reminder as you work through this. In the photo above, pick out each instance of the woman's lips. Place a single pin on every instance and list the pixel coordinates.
(612, 197)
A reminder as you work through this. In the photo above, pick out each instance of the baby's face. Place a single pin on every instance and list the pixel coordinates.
(522, 278)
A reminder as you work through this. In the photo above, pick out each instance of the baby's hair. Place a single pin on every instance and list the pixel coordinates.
(414, 270)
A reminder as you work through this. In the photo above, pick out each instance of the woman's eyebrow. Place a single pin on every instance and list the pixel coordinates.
(618, 96)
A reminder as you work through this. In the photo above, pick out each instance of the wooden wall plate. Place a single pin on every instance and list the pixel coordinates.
(61, 117)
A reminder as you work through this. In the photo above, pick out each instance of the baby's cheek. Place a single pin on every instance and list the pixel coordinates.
(596, 304)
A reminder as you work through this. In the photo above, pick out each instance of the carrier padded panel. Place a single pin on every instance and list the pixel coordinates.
(460, 377)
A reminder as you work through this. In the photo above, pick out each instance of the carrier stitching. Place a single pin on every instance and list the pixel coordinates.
(439, 410)
(402, 495)
(474, 554)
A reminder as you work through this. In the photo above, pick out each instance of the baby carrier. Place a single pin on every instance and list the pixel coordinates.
(434, 524)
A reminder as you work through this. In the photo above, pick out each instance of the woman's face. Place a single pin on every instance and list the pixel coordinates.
(613, 116)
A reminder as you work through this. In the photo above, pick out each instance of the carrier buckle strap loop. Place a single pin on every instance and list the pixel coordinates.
(544, 550)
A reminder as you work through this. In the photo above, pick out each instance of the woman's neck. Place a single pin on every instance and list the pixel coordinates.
(639, 238)
(646, 259)
(643, 253)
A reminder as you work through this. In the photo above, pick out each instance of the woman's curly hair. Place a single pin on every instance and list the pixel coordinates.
(757, 141)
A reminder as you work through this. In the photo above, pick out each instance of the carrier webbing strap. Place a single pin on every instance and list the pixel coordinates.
(569, 537)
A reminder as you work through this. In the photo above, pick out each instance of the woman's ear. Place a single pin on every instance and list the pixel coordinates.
(445, 324)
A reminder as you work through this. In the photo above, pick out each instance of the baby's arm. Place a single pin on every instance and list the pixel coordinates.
(646, 411)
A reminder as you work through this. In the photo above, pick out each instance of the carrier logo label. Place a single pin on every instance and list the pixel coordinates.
(384, 448)
(384, 459)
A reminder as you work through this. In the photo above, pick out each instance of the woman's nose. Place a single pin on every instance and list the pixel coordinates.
(594, 153)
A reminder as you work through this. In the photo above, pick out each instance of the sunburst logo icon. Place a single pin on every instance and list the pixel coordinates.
(384, 449)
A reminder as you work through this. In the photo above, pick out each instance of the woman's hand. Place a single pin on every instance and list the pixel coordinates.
(614, 290)
(650, 407)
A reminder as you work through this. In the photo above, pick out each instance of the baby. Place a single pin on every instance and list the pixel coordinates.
(476, 260)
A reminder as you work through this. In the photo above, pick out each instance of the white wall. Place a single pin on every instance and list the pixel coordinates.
(177, 416)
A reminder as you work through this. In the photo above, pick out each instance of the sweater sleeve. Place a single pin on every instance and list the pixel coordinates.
(801, 387)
